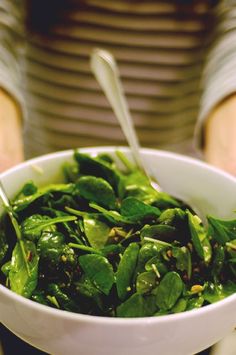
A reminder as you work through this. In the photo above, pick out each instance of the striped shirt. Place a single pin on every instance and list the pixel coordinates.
(175, 65)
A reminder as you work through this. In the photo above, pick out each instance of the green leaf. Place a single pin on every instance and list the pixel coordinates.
(169, 290)
(199, 238)
(180, 306)
(98, 269)
(195, 302)
(22, 201)
(137, 306)
(126, 270)
(159, 231)
(85, 288)
(164, 201)
(23, 280)
(65, 301)
(96, 232)
(3, 246)
(147, 251)
(218, 260)
(6, 268)
(146, 281)
(176, 218)
(183, 260)
(136, 210)
(32, 227)
(112, 216)
(99, 168)
(40, 297)
(50, 245)
(157, 265)
(138, 186)
(221, 230)
(97, 190)
(216, 292)
(71, 171)
(29, 188)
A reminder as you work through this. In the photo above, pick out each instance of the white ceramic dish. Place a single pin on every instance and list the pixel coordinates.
(60, 332)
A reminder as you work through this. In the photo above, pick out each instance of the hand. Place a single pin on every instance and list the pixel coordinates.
(11, 141)
(220, 136)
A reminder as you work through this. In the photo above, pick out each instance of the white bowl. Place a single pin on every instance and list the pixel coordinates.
(60, 332)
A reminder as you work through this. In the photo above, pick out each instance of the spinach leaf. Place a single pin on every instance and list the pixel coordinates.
(50, 245)
(98, 269)
(221, 230)
(113, 216)
(136, 210)
(137, 185)
(23, 201)
(40, 297)
(6, 268)
(183, 260)
(98, 168)
(155, 264)
(169, 290)
(32, 227)
(147, 251)
(28, 189)
(164, 201)
(125, 270)
(23, 280)
(62, 298)
(86, 289)
(231, 256)
(71, 171)
(137, 306)
(97, 190)
(159, 231)
(176, 218)
(180, 306)
(195, 302)
(216, 292)
(96, 232)
(146, 281)
(218, 261)
(3, 246)
(199, 238)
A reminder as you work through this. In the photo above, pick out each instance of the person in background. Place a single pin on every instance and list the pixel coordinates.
(177, 61)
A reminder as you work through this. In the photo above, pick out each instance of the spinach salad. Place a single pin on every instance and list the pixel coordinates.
(106, 243)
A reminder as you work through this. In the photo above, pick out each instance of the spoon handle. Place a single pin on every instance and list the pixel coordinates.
(106, 72)
(8, 207)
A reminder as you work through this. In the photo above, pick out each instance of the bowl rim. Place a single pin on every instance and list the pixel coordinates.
(109, 149)
(112, 321)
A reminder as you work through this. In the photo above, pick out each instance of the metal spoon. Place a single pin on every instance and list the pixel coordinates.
(9, 210)
(106, 72)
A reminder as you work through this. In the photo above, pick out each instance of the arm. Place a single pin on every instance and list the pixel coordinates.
(220, 135)
(217, 119)
(11, 146)
(11, 100)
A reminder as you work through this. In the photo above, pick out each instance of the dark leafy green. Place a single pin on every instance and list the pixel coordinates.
(169, 291)
(97, 190)
(104, 242)
(222, 230)
(23, 277)
(99, 271)
(125, 270)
